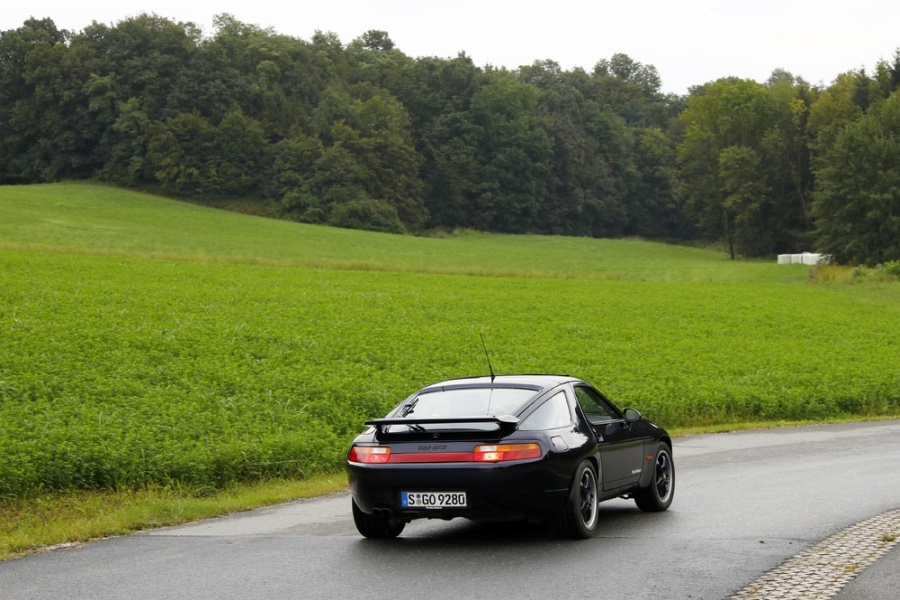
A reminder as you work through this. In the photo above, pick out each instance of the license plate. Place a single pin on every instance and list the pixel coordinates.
(433, 499)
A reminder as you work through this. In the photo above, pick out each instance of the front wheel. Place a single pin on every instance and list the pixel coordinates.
(578, 518)
(658, 495)
(376, 526)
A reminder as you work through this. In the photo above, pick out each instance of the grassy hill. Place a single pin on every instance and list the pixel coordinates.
(152, 342)
(84, 218)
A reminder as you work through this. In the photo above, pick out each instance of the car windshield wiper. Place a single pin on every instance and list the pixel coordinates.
(409, 407)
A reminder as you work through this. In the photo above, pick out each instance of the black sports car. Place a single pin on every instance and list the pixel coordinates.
(506, 447)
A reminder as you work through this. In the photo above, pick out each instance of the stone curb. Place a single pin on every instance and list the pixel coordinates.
(821, 571)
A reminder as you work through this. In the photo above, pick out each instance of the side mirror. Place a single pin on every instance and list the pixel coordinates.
(632, 415)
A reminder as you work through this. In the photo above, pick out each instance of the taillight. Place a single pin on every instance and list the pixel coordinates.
(370, 454)
(379, 455)
(504, 452)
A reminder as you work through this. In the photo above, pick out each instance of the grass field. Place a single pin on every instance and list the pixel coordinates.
(147, 342)
(83, 218)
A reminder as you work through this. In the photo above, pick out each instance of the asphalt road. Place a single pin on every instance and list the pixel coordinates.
(744, 503)
(881, 581)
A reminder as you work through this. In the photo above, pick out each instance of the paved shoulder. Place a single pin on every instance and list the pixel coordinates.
(326, 515)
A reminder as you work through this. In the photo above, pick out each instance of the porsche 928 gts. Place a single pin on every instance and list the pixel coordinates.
(510, 447)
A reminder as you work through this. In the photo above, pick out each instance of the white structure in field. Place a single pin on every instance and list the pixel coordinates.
(806, 258)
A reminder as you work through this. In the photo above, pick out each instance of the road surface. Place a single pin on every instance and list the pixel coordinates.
(744, 503)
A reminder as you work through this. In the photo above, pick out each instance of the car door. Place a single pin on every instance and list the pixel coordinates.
(621, 449)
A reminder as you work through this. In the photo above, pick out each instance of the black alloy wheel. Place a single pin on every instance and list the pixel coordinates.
(579, 517)
(658, 495)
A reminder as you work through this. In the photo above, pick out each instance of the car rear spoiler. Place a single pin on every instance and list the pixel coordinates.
(506, 423)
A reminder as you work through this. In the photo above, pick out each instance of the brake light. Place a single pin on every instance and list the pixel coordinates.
(379, 455)
(504, 452)
(370, 454)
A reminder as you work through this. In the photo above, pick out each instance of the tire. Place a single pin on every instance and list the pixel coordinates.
(376, 526)
(578, 519)
(658, 495)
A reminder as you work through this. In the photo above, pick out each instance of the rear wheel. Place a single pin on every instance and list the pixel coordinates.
(658, 495)
(579, 517)
(376, 526)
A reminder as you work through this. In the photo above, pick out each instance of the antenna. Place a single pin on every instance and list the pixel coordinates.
(487, 356)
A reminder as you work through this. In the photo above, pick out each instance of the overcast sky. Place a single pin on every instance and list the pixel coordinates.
(690, 42)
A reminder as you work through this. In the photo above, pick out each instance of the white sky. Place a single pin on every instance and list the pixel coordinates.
(689, 42)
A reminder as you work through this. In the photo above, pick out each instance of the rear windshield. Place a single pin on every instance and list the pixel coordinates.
(467, 402)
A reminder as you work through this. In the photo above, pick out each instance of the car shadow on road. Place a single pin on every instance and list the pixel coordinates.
(615, 521)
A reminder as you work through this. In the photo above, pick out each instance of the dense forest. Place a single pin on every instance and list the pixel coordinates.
(361, 135)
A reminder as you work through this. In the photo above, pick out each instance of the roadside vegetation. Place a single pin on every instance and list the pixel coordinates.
(153, 349)
(64, 519)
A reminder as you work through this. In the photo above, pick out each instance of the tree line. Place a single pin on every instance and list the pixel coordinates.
(361, 135)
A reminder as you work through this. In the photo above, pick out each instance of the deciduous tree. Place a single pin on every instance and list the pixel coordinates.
(857, 201)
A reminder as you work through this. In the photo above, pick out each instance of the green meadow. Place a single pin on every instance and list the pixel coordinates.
(147, 342)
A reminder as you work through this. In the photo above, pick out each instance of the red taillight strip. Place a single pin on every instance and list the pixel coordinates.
(379, 455)
(429, 457)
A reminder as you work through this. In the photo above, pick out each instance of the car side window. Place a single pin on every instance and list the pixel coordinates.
(595, 408)
(553, 413)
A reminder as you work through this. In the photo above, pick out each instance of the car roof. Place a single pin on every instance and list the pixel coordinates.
(540, 381)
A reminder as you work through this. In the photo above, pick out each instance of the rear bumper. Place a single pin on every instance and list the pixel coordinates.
(493, 491)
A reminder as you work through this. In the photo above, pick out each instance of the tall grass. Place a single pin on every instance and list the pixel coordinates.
(135, 364)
